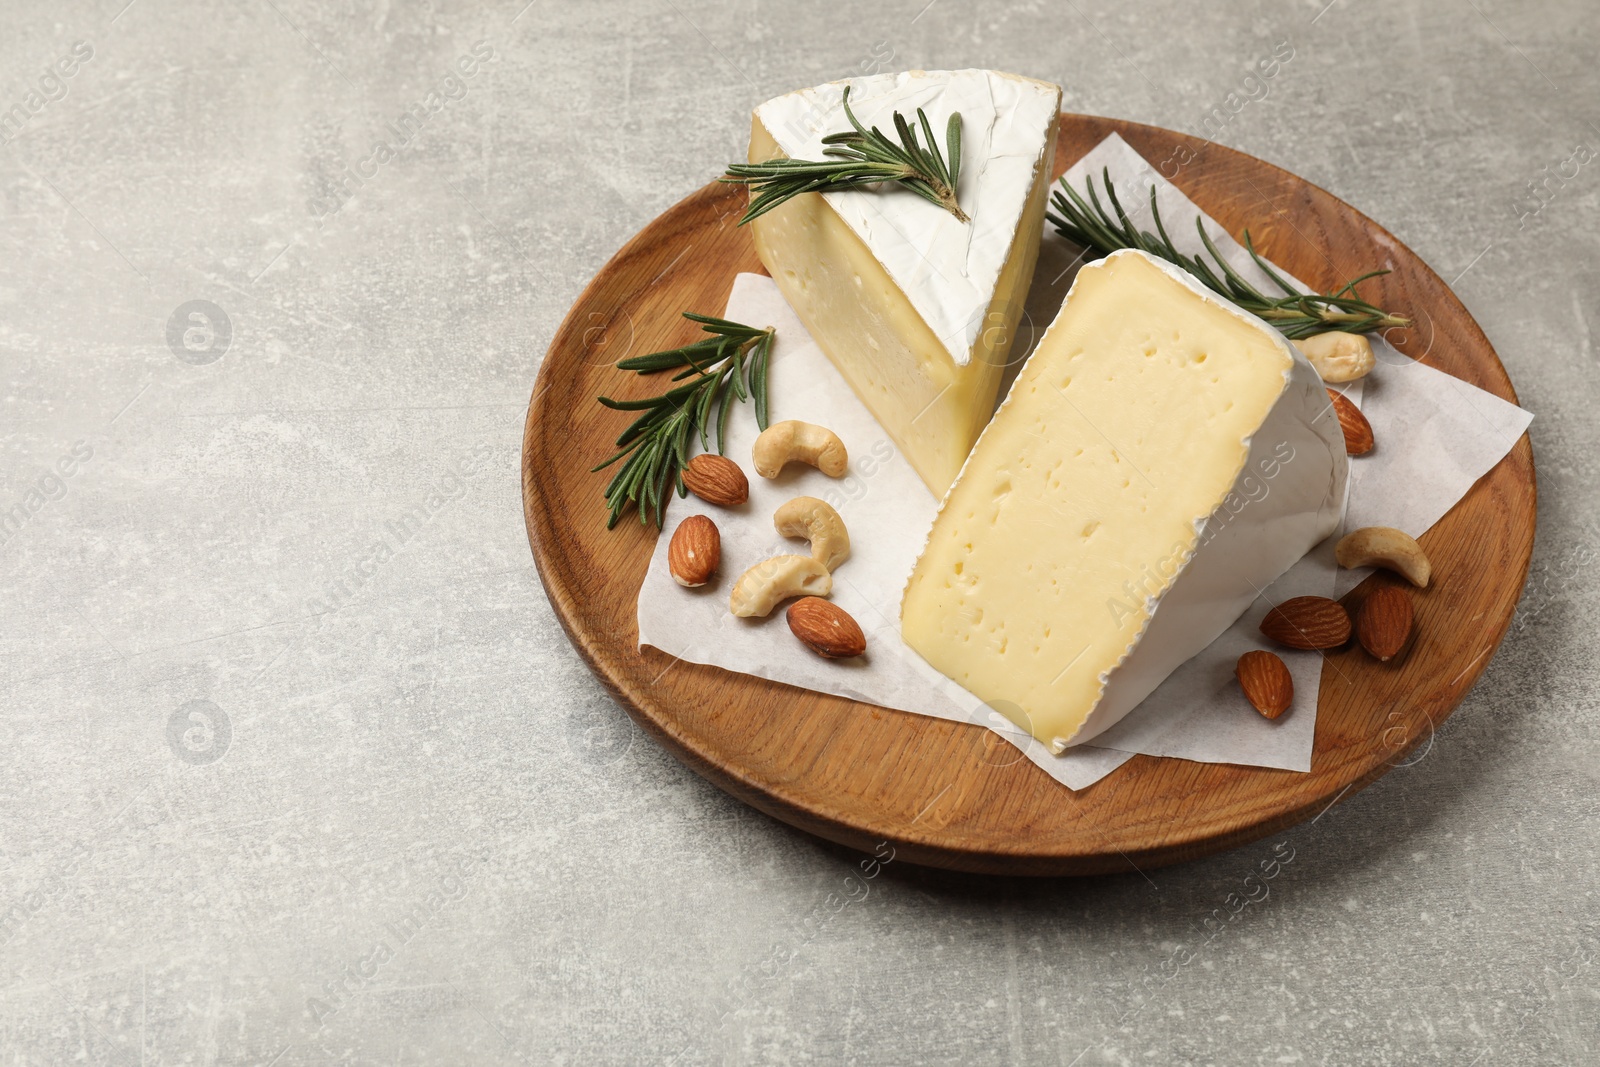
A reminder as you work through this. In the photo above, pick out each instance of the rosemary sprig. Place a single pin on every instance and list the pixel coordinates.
(1295, 314)
(862, 157)
(729, 365)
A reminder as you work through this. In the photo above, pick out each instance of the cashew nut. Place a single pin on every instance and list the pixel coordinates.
(1384, 546)
(804, 441)
(817, 522)
(1338, 356)
(768, 583)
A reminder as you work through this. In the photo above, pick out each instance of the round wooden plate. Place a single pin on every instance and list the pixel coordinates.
(951, 794)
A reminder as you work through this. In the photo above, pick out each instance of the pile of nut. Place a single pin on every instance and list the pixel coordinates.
(1339, 358)
(695, 552)
(1383, 623)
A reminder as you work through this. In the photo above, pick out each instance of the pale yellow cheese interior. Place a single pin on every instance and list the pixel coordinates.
(1126, 428)
(931, 407)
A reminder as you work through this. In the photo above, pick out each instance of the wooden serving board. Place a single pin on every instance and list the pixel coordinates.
(952, 794)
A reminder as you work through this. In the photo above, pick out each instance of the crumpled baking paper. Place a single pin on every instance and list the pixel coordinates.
(1437, 435)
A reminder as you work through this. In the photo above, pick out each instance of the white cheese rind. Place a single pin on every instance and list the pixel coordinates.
(1278, 522)
(1002, 573)
(947, 268)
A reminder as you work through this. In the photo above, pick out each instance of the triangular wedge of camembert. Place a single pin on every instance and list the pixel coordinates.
(916, 308)
(1162, 458)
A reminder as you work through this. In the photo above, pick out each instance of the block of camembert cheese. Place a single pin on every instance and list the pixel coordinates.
(1162, 458)
(915, 307)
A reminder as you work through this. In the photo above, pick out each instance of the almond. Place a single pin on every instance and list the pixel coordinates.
(1266, 682)
(695, 551)
(825, 628)
(1384, 622)
(1357, 430)
(1308, 622)
(716, 480)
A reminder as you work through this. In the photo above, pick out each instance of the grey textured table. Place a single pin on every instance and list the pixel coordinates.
(299, 767)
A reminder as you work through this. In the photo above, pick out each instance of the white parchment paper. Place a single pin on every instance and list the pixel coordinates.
(1437, 435)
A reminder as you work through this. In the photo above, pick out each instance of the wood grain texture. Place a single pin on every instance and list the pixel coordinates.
(951, 794)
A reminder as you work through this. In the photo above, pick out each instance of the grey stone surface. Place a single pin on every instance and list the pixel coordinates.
(274, 794)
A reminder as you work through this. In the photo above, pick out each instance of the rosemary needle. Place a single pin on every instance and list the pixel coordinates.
(862, 157)
(1294, 314)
